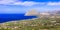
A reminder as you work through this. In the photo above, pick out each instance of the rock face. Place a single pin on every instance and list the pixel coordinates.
(31, 13)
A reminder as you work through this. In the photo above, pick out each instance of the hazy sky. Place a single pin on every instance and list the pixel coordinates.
(21, 6)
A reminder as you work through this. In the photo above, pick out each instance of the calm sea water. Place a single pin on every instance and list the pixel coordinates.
(13, 17)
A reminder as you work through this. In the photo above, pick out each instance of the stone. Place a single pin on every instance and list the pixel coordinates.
(31, 13)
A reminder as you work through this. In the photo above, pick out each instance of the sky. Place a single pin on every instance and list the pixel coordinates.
(22, 6)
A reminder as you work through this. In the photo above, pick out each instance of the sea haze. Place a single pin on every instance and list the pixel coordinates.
(13, 17)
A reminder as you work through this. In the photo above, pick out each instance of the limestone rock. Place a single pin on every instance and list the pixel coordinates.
(31, 13)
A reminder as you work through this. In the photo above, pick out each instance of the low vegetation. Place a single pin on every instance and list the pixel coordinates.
(43, 23)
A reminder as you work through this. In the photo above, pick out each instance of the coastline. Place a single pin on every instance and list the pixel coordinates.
(14, 17)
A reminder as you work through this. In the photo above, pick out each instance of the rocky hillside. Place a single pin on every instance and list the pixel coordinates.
(32, 13)
(36, 24)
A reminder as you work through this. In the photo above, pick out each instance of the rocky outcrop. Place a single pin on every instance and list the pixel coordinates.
(31, 13)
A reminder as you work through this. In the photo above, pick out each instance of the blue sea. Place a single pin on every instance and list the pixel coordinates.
(14, 17)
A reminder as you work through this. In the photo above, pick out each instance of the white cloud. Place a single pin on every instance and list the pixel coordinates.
(53, 3)
(16, 2)
(27, 3)
(6, 1)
